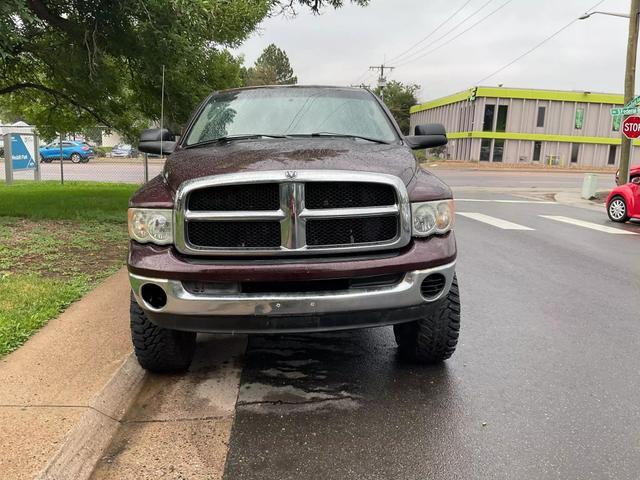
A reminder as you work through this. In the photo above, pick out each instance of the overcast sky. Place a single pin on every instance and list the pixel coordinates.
(337, 47)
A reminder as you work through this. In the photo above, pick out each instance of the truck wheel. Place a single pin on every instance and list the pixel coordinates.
(160, 349)
(617, 209)
(434, 338)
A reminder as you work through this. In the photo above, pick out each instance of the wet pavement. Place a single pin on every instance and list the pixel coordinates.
(544, 384)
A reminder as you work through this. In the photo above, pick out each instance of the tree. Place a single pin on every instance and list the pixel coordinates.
(399, 98)
(271, 68)
(71, 64)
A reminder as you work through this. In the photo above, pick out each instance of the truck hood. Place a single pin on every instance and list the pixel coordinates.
(289, 154)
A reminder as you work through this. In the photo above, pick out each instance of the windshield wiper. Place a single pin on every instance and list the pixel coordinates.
(338, 135)
(230, 138)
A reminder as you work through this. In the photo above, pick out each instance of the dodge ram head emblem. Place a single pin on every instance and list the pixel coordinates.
(291, 174)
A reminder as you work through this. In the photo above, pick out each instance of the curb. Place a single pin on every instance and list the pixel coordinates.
(574, 200)
(86, 443)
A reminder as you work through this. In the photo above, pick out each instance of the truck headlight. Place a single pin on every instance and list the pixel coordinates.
(151, 225)
(428, 218)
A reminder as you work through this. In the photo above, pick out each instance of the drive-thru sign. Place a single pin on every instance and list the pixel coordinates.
(631, 127)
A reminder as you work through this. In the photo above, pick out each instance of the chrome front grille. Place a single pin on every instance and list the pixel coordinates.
(285, 212)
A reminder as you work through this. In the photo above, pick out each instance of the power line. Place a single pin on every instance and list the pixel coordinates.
(363, 76)
(447, 42)
(397, 57)
(553, 35)
(455, 27)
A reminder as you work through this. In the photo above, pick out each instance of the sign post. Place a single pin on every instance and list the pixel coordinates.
(8, 163)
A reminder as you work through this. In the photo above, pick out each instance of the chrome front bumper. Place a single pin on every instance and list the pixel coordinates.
(180, 302)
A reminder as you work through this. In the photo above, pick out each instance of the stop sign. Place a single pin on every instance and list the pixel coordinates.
(631, 127)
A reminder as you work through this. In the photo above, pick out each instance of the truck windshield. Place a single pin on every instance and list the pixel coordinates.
(292, 111)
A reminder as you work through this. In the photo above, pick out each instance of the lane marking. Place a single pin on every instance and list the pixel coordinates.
(496, 222)
(483, 200)
(592, 226)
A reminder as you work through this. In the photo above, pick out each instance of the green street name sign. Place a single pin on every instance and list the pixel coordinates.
(631, 108)
(625, 111)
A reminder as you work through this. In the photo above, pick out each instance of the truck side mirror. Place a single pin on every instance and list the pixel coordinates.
(427, 136)
(157, 141)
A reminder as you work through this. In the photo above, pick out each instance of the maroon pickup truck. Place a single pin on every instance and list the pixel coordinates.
(291, 209)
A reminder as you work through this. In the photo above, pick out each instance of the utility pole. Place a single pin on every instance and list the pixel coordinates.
(629, 84)
(382, 80)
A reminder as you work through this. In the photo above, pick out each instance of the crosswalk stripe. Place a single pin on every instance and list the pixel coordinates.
(483, 200)
(592, 226)
(496, 222)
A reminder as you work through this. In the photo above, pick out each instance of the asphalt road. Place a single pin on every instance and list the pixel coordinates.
(516, 180)
(544, 384)
(133, 172)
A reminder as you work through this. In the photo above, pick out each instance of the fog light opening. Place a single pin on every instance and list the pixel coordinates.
(153, 295)
(433, 285)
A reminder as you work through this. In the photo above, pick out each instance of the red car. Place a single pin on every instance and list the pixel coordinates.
(623, 202)
(634, 171)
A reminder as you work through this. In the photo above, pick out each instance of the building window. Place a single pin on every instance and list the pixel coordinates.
(537, 149)
(579, 118)
(615, 123)
(489, 111)
(501, 122)
(485, 149)
(498, 149)
(613, 149)
(541, 113)
(575, 151)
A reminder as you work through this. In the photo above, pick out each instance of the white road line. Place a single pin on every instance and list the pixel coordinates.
(484, 200)
(592, 226)
(496, 222)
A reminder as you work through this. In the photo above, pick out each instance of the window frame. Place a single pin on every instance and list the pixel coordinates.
(575, 148)
(485, 141)
(502, 143)
(542, 116)
(486, 115)
(612, 149)
(502, 109)
(533, 156)
(578, 119)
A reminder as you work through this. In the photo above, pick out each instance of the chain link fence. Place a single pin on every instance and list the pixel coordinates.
(99, 169)
(105, 166)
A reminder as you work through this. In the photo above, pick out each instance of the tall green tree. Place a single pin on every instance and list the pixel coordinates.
(70, 64)
(271, 68)
(399, 98)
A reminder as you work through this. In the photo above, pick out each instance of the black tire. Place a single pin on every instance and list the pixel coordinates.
(75, 158)
(434, 338)
(617, 209)
(159, 349)
(45, 160)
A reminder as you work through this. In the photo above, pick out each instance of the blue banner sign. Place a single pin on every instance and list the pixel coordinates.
(23, 152)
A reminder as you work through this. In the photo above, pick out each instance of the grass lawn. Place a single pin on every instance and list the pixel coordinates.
(56, 243)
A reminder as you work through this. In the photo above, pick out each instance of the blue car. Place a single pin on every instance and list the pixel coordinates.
(72, 150)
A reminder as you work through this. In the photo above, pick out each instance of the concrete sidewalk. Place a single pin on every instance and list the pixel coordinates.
(575, 200)
(56, 382)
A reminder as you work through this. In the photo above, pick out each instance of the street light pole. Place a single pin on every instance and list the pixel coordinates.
(629, 84)
(629, 76)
